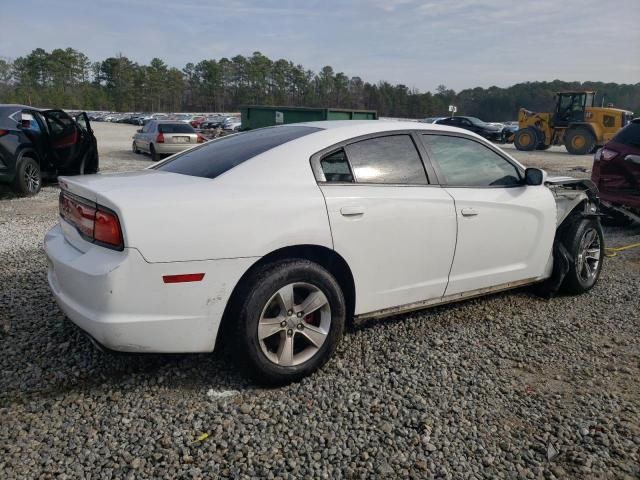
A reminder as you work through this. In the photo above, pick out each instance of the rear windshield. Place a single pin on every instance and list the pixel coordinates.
(629, 135)
(216, 157)
(175, 128)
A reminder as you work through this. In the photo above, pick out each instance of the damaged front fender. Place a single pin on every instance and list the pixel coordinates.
(572, 194)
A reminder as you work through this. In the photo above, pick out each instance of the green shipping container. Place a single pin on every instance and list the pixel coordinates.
(255, 116)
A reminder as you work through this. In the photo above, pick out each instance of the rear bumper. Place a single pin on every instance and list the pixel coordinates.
(168, 148)
(121, 301)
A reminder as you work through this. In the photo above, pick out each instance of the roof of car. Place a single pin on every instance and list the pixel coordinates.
(363, 127)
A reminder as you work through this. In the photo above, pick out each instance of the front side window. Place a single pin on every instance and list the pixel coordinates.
(466, 163)
(218, 156)
(390, 159)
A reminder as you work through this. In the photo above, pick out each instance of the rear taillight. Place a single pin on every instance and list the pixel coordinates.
(95, 223)
(607, 154)
(3, 132)
(200, 139)
(107, 229)
(160, 138)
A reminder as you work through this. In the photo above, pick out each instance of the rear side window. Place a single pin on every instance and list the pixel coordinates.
(336, 167)
(466, 163)
(629, 135)
(216, 157)
(389, 159)
(175, 128)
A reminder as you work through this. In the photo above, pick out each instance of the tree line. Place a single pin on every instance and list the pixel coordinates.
(67, 78)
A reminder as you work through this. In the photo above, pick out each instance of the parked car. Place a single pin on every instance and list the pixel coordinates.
(232, 124)
(196, 121)
(214, 122)
(431, 119)
(42, 144)
(475, 125)
(165, 137)
(616, 172)
(278, 236)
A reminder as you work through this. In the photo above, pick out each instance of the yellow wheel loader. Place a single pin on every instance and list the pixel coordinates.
(576, 123)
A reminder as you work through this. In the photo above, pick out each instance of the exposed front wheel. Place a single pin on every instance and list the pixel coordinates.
(134, 147)
(290, 322)
(584, 241)
(28, 179)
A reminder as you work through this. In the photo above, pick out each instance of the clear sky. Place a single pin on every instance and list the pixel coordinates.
(420, 43)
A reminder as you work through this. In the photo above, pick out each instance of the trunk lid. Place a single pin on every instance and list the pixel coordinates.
(126, 194)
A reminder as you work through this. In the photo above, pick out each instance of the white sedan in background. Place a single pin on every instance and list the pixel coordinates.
(280, 235)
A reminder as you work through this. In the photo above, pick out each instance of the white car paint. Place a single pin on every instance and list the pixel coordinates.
(388, 252)
(405, 245)
(507, 237)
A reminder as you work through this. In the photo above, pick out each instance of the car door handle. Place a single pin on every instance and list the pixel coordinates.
(469, 212)
(352, 211)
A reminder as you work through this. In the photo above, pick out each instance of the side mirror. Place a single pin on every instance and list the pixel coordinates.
(534, 176)
(139, 130)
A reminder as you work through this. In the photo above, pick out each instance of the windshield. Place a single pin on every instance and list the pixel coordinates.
(476, 121)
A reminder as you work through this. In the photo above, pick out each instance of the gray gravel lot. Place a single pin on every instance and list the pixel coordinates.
(507, 386)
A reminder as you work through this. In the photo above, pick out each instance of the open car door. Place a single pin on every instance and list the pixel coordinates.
(72, 143)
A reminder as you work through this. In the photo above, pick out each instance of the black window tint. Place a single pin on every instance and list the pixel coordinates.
(216, 157)
(175, 128)
(389, 159)
(336, 168)
(629, 135)
(59, 123)
(467, 163)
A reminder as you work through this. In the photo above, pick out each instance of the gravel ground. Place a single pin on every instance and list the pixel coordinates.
(507, 386)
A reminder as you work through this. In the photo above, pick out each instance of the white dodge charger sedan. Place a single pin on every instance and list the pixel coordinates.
(280, 235)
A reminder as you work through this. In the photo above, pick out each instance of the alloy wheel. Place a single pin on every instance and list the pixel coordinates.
(294, 324)
(32, 178)
(588, 261)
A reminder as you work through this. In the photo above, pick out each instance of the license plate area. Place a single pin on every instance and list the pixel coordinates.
(180, 139)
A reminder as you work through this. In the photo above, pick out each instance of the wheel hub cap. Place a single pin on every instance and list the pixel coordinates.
(294, 324)
(588, 258)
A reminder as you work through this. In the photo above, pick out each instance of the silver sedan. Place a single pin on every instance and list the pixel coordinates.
(165, 137)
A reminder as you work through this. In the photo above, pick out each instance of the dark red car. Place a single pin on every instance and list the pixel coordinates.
(616, 169)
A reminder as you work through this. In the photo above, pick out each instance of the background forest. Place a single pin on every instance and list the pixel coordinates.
(69, 79)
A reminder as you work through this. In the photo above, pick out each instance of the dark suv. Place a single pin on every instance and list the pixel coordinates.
(42, 144)
(616, 169)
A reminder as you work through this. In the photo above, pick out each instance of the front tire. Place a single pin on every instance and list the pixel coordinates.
(28, 179)
(579, 141)
(290, 322)
(584, 241)
(134, 148)
(526, 139)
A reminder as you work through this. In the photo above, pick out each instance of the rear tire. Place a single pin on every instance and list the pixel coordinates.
(279, 337)
(526, 139)
(584, 241)
(579, 141)
(28, 179)
(153, 153)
